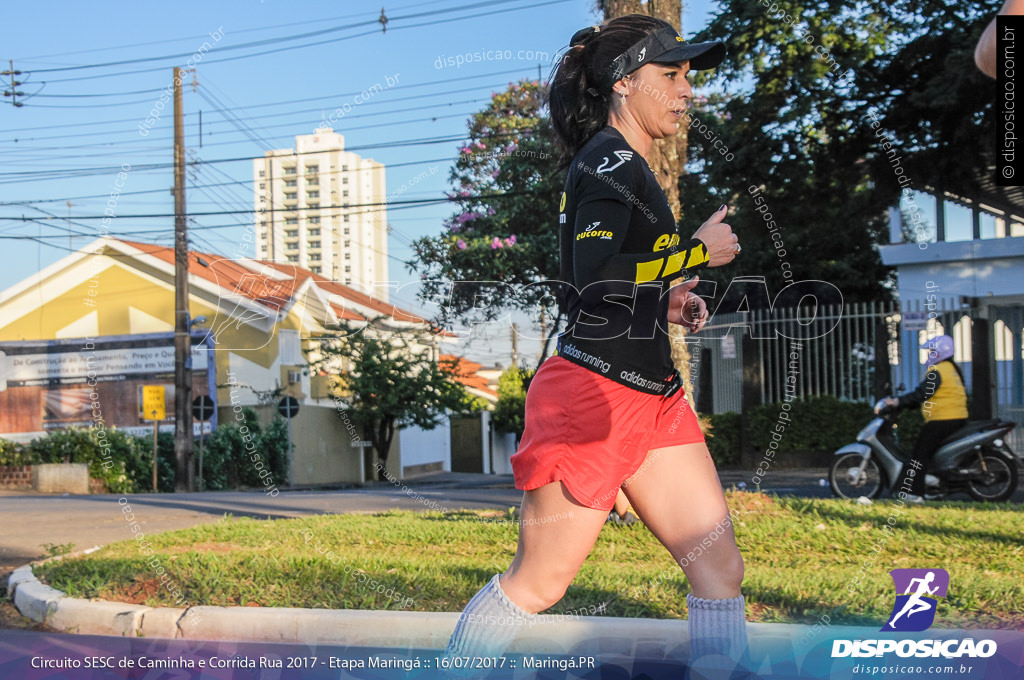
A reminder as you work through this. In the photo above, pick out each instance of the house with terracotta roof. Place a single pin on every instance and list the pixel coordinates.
(474, 378)
(101, 320)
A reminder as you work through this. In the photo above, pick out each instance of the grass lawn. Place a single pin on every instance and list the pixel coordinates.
(802, 558)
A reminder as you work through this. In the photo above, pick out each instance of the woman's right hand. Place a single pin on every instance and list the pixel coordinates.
(722, 244)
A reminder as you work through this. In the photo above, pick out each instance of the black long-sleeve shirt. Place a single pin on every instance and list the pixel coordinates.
(619, 247)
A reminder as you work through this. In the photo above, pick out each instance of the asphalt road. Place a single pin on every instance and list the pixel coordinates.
(30, 521)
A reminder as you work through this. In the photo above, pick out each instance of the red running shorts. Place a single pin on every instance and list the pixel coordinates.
(592, 433)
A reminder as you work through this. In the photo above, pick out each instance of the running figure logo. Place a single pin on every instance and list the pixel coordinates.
(623, 156)
(914, 610)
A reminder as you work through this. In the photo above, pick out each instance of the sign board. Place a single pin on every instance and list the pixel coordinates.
(288, 407)
(729, 347)
(55, 384)
(202, 407)
(153, 404)
(76, 366)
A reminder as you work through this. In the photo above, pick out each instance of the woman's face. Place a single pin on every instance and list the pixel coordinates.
(657, 97)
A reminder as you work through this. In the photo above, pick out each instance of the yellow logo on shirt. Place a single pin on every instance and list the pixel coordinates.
(666, 241)
(590, 234)
(561, 206)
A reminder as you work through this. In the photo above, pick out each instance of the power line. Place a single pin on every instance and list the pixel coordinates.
(163, 148)
(237, 122)
(85, 106)
(487, 3)
(292, 102)
(87, 171)
(194, 37)
(41, 175)
(101, 94)
(241, 181)
(219, 192)
(62, 224)
(349, 206)
(185, 55)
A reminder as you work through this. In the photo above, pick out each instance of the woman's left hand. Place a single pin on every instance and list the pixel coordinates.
(686, 308)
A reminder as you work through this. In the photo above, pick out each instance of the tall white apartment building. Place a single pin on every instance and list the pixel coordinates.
(322, 208)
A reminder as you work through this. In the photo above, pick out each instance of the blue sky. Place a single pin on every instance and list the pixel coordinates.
(276, 96)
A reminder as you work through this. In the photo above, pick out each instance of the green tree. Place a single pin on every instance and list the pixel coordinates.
(797, 96)
(784, 112)
(510, 411)
(504, 234)
(389, 378)
(931, 100)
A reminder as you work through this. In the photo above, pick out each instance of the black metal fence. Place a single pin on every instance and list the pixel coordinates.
(858, 352)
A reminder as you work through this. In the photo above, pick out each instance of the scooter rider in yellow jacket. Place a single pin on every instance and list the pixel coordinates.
(943, 401)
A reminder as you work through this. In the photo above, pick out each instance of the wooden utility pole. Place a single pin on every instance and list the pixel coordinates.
(182, 332)
(667, 157)
(13, 93)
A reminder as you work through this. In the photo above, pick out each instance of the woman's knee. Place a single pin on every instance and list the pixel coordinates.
(718, 574)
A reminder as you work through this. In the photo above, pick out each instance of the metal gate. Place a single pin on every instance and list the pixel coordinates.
(467, 444)
(1008, 341)
(850, 361)
(840, 362)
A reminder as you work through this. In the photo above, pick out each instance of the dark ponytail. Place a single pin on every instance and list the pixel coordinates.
(579, 96)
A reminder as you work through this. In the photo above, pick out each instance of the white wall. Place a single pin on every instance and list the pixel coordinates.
(419, 446)
(504, 445)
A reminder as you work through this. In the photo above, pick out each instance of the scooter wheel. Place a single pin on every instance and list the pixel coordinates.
(994, 481)
(849, 481)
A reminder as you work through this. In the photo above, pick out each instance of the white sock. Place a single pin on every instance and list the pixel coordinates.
(488, 624)
(717, 628)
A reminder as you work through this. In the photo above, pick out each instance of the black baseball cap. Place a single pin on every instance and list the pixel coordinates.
(664, 45)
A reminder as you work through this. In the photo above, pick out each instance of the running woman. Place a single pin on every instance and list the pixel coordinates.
(606, 411)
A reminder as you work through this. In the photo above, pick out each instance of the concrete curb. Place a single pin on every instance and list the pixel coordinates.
(410, 630)
(414, 630)
(352, 627)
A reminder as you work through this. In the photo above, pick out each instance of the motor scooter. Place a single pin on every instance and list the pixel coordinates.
(975, 459)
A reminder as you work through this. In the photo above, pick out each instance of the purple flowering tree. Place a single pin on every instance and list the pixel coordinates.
(503, 234)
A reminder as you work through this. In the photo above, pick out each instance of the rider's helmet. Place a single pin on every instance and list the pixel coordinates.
(939, 349)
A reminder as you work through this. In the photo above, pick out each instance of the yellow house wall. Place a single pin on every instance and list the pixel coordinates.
(115, 290)
(323, 451)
